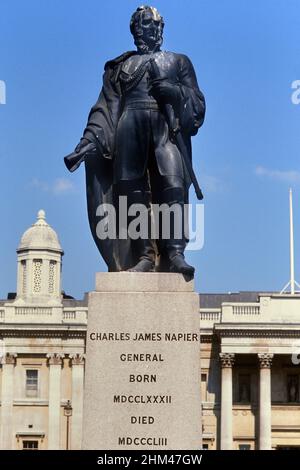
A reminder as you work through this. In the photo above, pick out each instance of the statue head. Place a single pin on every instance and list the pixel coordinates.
(146, 26)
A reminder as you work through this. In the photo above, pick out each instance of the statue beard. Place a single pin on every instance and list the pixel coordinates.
(146, 48)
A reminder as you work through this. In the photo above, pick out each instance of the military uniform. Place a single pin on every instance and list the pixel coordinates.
(129, 125)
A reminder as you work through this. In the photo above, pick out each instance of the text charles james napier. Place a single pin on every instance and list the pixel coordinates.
(142, 336)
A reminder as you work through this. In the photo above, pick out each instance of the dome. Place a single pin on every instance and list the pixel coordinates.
(40, 236)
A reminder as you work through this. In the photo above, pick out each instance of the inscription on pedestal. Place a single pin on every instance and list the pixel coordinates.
(144, 382)
(135, 398)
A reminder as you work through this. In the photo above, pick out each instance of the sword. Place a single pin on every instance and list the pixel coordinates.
(187, 161)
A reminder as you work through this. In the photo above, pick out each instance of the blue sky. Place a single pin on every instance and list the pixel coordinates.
(246, 56)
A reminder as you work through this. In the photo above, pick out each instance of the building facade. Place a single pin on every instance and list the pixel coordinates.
(42, 344)
(250, 355)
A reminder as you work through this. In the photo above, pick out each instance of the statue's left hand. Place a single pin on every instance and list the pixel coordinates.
(83, 142)
(164, 90)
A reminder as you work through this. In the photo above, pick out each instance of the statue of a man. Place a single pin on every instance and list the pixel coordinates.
(148, 96)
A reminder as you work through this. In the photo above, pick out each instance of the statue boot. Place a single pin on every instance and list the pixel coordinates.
(142, 247)
(174, 246)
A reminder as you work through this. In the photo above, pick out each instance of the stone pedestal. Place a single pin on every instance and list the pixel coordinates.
(142, 380)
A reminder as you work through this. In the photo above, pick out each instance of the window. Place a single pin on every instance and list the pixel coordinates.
(244, 447)
(30, 445)
(293, 388)
(24, 276)
(37, 275)
(204, 387)
(31, 383)
(244, 388)
(51, 286)
(205, 447)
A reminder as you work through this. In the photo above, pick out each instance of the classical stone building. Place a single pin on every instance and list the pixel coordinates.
(42, 343)
(249, 351)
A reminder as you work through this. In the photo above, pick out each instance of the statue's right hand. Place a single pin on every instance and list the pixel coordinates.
(83, 142)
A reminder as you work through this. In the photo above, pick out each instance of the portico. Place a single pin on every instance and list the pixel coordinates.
(256, 349)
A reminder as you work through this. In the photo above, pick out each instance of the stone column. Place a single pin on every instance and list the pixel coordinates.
(77, 363)
(7, 396)
(265, 362)
(227, 361)
(55, 366)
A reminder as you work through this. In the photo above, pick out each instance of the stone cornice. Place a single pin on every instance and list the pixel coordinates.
(262, 330)
(206, 338)
(31, 402)
(286, 428)
(32, 433)
(45, 331)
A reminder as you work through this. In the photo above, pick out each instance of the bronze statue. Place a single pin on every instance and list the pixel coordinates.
(137, 143)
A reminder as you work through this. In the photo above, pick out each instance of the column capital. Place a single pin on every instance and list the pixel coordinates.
(8, 358)
(227, 359)
(77, 359)
(55, 359)
(265, 360)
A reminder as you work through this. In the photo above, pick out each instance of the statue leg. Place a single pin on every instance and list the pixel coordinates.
(142, 247)
(173, 194)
